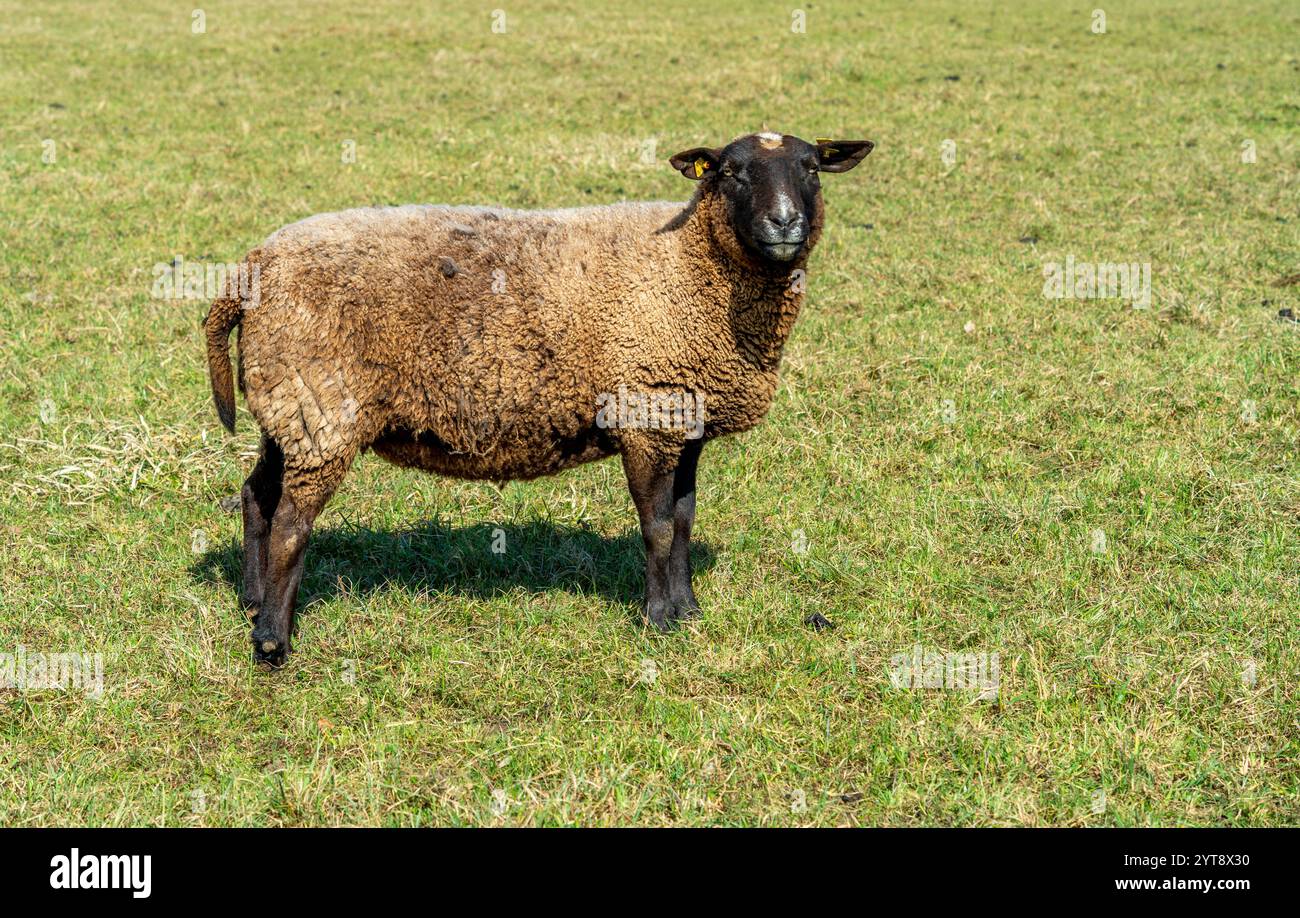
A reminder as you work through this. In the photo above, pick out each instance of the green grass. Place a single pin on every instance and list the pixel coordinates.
(431, 672)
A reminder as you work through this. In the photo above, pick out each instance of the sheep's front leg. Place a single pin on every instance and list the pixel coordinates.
(664, 494)
(679, 558)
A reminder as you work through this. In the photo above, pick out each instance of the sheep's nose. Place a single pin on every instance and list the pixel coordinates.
(787, 223)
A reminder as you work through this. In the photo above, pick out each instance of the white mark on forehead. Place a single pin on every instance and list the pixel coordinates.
(770, 141)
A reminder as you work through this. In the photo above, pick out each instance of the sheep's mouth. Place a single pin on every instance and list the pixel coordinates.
(781, 251)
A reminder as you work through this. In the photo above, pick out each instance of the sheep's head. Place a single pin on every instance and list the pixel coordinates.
(768, 189)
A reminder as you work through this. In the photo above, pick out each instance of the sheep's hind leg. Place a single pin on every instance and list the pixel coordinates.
(260, 496)
(666, 509)
(303, 496)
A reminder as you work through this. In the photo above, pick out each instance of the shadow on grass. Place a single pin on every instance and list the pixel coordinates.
(481, 561)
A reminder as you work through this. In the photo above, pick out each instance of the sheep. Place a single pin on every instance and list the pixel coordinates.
(485, 344)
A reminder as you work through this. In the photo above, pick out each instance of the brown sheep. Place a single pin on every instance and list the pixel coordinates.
(486, 344)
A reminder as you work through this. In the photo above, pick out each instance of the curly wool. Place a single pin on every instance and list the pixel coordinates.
(476, 342)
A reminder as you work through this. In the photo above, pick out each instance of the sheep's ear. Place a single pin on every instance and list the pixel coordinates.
(841, 155)
(696, 163)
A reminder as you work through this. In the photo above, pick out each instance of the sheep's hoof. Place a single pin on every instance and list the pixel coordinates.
(268, 653)
(686, 609)
(660, 614)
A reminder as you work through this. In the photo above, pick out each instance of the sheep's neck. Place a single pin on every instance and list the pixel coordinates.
(760, 306)
(762, 317)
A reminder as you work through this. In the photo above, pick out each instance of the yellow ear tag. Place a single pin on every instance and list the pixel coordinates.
(700, 166)
(825, 140)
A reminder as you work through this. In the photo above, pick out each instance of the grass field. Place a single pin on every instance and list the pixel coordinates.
(1104, 496)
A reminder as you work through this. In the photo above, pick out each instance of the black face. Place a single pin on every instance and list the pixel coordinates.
(771, 186)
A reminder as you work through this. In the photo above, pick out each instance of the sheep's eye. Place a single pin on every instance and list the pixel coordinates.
(728, 172)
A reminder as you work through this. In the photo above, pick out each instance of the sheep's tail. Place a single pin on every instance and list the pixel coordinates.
(224, 315)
